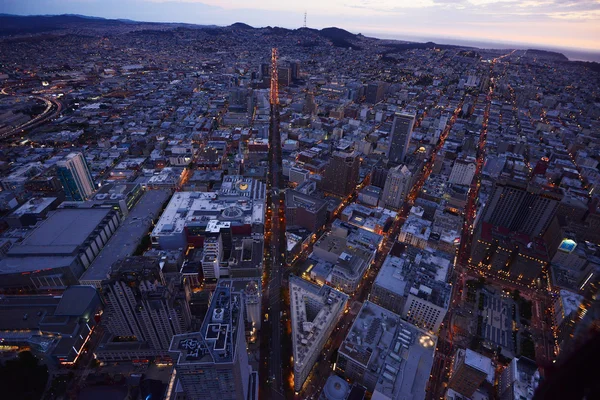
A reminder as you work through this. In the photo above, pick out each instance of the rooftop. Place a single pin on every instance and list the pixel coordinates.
(313, 310)
(216, 340)
(34, 206)
(127, 237)
(414, 270)
(61, 233)
(238, 203)
(479, 362)
(398, 352)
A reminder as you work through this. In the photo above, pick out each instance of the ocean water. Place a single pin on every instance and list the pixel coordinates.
(571, 54)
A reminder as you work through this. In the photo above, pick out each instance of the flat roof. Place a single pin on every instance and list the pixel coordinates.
(479, 362)
(127, 237)
(380, 340)
(390, 275)
(62, 232)
(34, 206)
(13, 265)
(216, 342)
(314, 309)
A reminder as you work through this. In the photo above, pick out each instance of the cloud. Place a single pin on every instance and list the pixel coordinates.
(572, 22)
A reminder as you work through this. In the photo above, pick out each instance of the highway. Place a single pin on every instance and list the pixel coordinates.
(53, 108)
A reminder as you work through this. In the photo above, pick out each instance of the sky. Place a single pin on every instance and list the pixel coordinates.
(546, 23)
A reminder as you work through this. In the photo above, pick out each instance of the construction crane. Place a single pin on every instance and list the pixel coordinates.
(274, 95)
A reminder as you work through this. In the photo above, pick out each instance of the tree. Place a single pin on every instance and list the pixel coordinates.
(23, 378)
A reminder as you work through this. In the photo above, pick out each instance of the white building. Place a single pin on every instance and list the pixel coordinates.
(315, 312)
(416, 230)
(387, 355)
(397, 186)
(240, 201)
(299, 175)
(463, 172)
(414, 286)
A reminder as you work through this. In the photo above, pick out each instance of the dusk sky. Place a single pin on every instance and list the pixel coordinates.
(554, 23)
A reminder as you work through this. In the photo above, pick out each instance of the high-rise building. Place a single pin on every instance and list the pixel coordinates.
(397, 186)
(140, 304)
(284, 75)
(469, 371)
(463, 172)
(413, 285)
(315, 312)
(75, 176)
(213, 363)
(305, 210)
(379, 175)
(295, 66)
(375, 92)
(341, 175)
(519, 380)
(400, 138)
(521, 208)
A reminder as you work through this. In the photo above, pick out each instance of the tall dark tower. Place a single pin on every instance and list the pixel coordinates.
(275, 248)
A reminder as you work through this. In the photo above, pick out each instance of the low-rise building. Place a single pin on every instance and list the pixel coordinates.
(58, 250)
(389, 356)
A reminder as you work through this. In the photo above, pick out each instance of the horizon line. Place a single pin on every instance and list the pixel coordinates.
(397, 36)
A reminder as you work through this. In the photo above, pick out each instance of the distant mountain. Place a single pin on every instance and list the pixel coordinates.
(241, 25)
(340, 37)
(592, 65)
(337, 33)
(546, 54)
(18, 25)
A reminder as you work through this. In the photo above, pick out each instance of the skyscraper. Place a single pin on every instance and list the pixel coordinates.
(341, 174)
(469, 371)
(75, 176)
(397, 186)
(140, 304)
(375, 92)
(213, 363)
(522, 208)
(401, 133)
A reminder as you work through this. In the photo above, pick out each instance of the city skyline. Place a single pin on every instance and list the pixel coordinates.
(547, 23)
(193, 212)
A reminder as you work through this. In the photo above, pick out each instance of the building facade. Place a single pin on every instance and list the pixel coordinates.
(469, 371)
(341, 175)
(400, 138)
(521, 208)
(463, 172)
(397, 186)
(213, 363)
(74, 174)
(140, 304)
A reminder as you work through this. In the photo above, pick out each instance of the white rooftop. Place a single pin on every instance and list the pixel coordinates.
(313, 310)
(479, 362)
